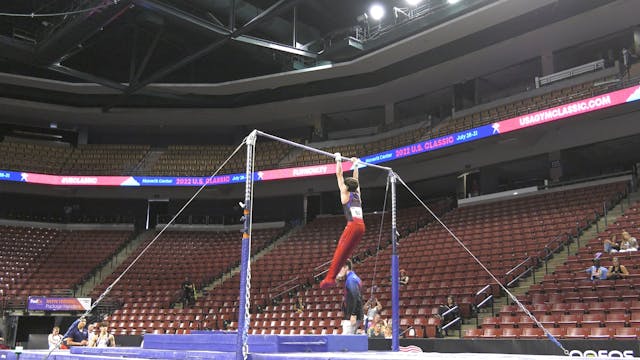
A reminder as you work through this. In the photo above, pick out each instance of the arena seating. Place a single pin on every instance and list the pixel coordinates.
(153, 284)
(294, 266)
(35, 261)
(150, 311)
(566, 299)
(34, 157)
(104, 159)
(186, 160)
(501, 234)
(410, 137)
(204, 160)
(533, 104)
(453, 125)
(60, 159)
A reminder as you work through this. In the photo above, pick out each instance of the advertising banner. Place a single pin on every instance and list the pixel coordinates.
(43, 303)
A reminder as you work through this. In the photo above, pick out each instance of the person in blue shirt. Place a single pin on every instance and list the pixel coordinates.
(352, 303)
(597, 271)
(77, 334)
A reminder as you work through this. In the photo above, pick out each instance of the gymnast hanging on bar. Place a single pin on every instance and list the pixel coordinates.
(352, 234)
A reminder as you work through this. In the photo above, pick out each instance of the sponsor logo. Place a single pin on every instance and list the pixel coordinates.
(79, 180)
(602, 353)
(319, 170)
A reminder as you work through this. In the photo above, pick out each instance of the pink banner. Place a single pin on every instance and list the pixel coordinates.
(71, 180)
(564, 111)
(301, 172)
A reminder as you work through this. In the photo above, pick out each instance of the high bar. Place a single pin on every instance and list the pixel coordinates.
(305, 147)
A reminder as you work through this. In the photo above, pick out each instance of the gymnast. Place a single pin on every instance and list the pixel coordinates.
(352, 234)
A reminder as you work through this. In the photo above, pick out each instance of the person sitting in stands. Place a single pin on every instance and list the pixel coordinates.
(299, 306)
(617, 271)
(92, 331)
(387, 329)
(628, 243)
(452, 311)
(404, 278)
(188, 293)
(103, 339)
(611, 246)
(372, 309)
(597, 271)
(54, 339)
(376, 331)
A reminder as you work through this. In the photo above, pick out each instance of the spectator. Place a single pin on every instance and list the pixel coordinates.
(387, 329)
(92, 331)
(628, 243)
(404, 278)
(372, 308)
(626, 62)
(188, 293)
(597, 271)
(77, 334)
(54, 339)
(449, 312)
(617, 271)
(103, 339)
(299, 306)
(611, 246)
(376, 331)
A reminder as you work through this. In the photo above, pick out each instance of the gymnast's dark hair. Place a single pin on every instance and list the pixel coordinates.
(348, 264)
(352, 184)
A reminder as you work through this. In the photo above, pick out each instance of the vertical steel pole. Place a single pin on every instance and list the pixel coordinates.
(232, 15)
(295, 27)
(242, 348)
(395, 291)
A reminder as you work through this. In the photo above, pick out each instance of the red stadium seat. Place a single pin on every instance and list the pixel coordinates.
(616, 319)
(626, 333)
(601, 333)
(576, 333)
(473, 333)
(491, 333)
(592, 320)
(532, 333)
(490, 322)
(557, 332)
(511, 332)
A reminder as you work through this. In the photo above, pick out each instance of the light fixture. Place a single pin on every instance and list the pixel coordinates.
(453, 1)
(376, 11)
(413, 2)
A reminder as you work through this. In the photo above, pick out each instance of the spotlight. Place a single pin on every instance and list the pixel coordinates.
(241, 204)
(376, 11)
(453, 1)
(413, 2)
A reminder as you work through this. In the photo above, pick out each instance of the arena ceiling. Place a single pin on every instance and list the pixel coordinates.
(150, 54)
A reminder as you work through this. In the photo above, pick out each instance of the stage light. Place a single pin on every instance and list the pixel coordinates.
(453, 1)
(376, 11)
(413, 2)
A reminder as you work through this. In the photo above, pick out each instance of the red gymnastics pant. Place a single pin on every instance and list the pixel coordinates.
(349, 240)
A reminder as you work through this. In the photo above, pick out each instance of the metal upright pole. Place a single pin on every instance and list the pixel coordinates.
(242, 348)
(395, 291)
